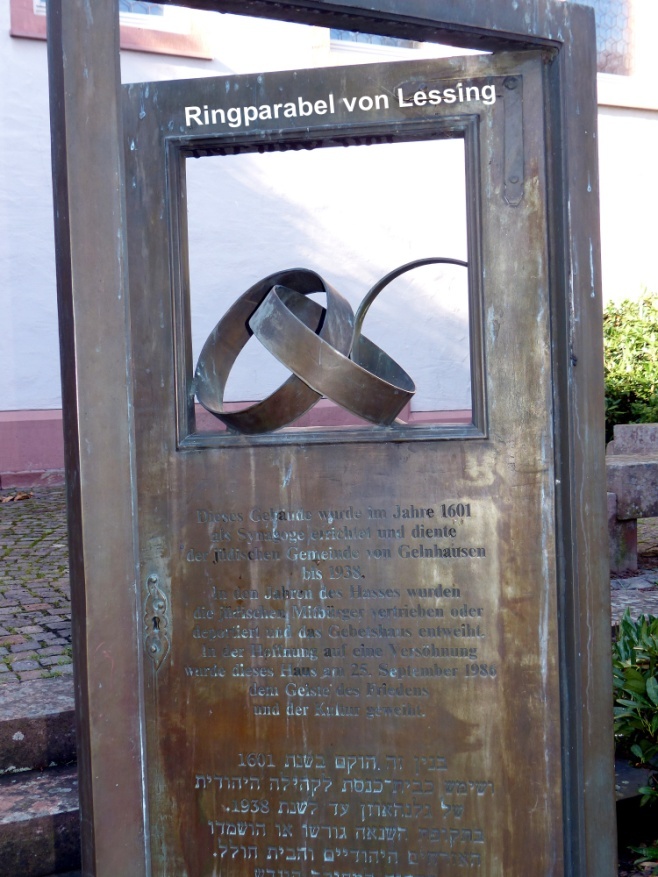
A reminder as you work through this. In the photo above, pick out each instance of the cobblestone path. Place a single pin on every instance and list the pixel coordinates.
(35, 609)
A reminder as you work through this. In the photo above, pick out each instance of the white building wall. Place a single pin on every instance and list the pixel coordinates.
(29, 357)
(628, 153)
(29, 348)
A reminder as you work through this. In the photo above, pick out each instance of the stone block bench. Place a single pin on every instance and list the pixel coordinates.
(632, 484)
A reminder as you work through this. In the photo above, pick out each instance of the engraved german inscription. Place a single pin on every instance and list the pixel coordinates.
(338, 615)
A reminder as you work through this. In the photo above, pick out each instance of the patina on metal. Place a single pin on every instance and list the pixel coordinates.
(198, 763)
(357, 615)
(305, 337)
(232, 332)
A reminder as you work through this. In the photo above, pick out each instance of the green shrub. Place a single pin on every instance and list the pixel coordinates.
(630, 344)
(648, 855)
(635, 668)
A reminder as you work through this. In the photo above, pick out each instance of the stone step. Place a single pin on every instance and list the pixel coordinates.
(37, 725)
(39, 823)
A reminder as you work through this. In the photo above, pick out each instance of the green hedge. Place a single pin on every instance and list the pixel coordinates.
(630, 343)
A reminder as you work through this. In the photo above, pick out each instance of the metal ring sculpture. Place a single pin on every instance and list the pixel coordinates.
(323, 348)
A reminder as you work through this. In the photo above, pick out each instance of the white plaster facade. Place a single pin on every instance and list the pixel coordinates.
(29, 354)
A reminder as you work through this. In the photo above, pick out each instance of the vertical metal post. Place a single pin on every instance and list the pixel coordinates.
(83, 38)
(579, 388)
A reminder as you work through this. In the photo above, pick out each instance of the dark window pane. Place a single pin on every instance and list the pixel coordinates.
(373, 39)
(141, 8)
(614, 35)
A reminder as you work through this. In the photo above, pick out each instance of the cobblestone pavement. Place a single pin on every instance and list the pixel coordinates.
(35, 609)
(639, 591)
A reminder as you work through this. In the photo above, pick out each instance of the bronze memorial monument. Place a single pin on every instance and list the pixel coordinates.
(361, 650)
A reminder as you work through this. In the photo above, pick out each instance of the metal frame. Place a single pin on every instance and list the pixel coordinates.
(178, 149)
(95, 340)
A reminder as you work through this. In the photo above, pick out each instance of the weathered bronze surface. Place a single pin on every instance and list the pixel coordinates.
(322, 347)
(233, 331)
(243, 761)
(353, 638)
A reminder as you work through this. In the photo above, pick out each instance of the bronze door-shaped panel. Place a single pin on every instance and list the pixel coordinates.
(350, 631)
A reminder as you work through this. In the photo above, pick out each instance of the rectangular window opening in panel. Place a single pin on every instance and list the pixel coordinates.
(350, 218)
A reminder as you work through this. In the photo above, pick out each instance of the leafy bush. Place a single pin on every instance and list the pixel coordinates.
(630, 344)
(648, 855)
(635, 665)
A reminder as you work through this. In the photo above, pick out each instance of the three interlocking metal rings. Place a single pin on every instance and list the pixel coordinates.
(323, 348)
